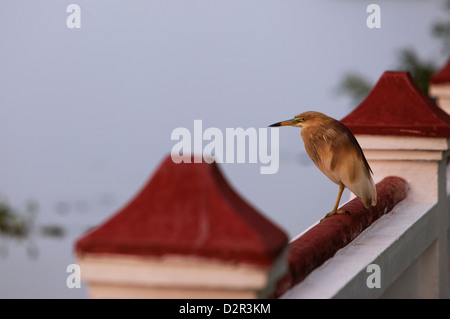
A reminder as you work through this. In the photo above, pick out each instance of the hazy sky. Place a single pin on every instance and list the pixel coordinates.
(87, 114)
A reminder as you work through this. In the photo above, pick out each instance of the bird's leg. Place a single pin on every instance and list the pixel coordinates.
(335, 209)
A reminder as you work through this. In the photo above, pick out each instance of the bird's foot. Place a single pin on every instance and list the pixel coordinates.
(336, 212)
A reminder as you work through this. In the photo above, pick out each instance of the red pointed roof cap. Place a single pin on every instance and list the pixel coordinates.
(442, 76)
(188, 209)
(397, 106)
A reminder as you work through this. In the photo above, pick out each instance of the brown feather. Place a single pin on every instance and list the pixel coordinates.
(337, 153)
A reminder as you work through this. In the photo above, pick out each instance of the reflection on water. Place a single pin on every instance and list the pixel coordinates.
(21, 226)
(37, 244)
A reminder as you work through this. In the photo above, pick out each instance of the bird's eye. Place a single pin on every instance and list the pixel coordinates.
(300, 119)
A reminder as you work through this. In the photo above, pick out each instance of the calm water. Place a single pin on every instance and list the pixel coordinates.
(87, 114)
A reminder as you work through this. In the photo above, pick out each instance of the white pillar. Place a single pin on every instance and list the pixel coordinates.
(419, 160)
(422, 161)
(441, 92)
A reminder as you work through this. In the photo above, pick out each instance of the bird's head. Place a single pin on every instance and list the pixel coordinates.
(299, 120)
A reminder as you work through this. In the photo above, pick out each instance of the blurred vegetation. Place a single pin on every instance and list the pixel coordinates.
(20, 226)
(11, 223)
(357, 86)
(441, 30)
(420, 70)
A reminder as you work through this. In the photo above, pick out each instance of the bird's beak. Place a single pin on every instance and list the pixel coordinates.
(290, 122)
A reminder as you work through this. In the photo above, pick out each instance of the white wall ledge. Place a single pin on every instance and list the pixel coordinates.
(393, 242)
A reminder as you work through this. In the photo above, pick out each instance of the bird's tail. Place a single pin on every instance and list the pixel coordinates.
(369, 193)
(364, 189)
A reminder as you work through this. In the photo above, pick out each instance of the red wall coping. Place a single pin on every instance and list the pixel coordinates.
(397, 106)
(321, 242)
(188, 209)
(442, 76)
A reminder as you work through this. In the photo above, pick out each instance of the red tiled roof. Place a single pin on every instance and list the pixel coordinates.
(188, 209)
(442, 76)
(321, 242)
(397, 106)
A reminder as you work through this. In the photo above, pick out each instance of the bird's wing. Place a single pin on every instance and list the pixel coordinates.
(354, 171)
(352, 139)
